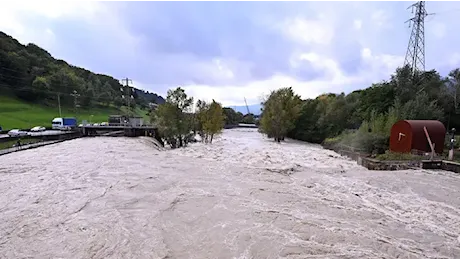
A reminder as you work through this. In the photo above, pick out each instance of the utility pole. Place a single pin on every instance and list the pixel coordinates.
(247, 108)
(415, 54)
(128, 95)
(75, 95)
(59, 104)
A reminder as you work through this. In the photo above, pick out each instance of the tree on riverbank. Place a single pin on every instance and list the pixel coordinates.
(211, 120)
(178, 124)
(363, 118)
(279, 114)
(232, 117)
(174, 119)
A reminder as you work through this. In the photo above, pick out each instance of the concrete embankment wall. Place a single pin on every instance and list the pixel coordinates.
(374, 164)
(28, 146)
(240, 126)
(450, 166)
(36, 141)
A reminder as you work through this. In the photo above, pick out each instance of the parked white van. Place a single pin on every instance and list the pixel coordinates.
(60, 123)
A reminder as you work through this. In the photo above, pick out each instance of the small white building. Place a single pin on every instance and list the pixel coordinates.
(136, 121)
(153, 106)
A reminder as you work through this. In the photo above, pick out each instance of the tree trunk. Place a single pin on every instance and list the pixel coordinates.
(172, 142)
(212, 136)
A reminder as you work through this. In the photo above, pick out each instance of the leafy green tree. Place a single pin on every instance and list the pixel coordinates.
(248, 119)
(213, 121)
(210, 119)
(201, 109)
(232, 117)
(280, 112)
(378, 98)
(41, 88)
(174, 119)
(452, 88)
(422, 108)
(306, 126)
(167, 118)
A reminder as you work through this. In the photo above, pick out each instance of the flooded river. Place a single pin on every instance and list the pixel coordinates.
(241, 197)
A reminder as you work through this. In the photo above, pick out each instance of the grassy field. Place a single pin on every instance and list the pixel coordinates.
(15, 113)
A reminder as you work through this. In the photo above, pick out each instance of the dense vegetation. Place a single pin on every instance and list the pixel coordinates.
(178, 122)
(232, 117)
(31, 74)
(363, 118)
(281, 109)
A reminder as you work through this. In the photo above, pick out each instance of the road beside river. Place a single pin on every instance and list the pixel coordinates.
(242, 197)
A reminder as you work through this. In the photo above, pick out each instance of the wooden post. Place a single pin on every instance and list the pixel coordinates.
(429, 141)
(452, 141)
(451, 154)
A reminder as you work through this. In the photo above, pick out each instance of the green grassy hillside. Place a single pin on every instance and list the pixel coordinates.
(15, 113)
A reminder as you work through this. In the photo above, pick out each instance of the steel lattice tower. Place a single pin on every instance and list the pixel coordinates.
(415, 55)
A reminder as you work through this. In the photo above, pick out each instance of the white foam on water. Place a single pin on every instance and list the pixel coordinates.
(244, 196)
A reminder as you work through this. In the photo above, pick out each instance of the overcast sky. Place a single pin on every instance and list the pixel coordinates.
(231, 50)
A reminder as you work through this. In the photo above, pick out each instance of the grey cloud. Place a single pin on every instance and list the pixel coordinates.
(179, 40)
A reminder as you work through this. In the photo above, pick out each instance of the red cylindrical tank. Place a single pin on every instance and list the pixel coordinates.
(407, 135)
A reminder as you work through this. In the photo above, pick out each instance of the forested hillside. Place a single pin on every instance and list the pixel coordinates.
(33, 75)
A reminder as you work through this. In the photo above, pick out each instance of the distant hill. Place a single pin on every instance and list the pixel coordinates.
(254, 109)
(33, 75)
(150, 97)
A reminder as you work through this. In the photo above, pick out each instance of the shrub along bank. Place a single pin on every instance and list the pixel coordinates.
(362, 119)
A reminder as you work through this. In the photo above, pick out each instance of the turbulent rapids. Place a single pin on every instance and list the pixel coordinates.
(241, 197)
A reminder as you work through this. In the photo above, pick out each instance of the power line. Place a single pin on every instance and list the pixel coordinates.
(59, 104)
(415, 54)
(128, 95)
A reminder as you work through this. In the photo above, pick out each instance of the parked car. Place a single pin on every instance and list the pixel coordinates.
(38, 129)
(104, 124)
(17, 132)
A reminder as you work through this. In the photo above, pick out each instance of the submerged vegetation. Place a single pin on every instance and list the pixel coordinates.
(178, 122)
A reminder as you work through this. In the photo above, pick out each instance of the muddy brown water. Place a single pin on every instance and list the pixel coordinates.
(242, 197)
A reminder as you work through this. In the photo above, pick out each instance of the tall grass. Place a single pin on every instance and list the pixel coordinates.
(372, 137)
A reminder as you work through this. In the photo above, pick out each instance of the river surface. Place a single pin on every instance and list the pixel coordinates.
(241, 197)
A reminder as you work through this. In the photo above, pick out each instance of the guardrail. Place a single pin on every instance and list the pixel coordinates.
(10, 142)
